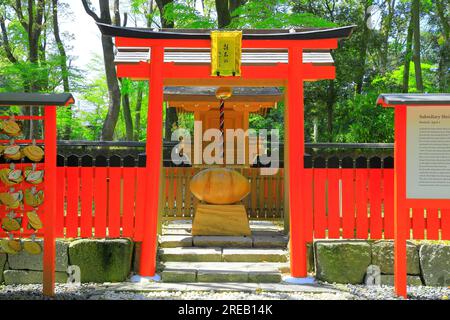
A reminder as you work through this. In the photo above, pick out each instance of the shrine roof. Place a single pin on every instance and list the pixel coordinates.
(247, 34)
(253, 94)
(422, 99)
(36, 99)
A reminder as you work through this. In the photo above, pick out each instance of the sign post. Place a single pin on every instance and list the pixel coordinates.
(422, 164)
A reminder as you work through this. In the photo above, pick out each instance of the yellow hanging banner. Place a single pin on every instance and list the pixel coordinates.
(226, 51)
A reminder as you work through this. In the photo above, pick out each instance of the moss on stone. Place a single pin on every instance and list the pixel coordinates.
(102, 260)
(383, 256)
(342, 261)
(435, 264)
(2, 265)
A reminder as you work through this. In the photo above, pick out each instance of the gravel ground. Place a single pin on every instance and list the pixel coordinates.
(362, 292)
(346, 292)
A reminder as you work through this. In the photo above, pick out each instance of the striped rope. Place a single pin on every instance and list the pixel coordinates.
(222, 128)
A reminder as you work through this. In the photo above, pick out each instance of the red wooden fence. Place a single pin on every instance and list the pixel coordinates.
(341, 203)
(358, 203)
(100, 202)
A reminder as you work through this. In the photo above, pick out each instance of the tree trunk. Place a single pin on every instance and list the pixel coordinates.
(5, 41)
(330, 109)
(234, 4)
(35, 24)
(116, 11)
(149, 14)
(171, 113)
(387, 26)
(113, 89)
(127, 116)
(34, 28)
(59, 43)
(171, 120)
(444, 66)
(444, 54)
(63, 66)
(223, 13)
(111, 77)
(126, 110)
(137, 117)
(363, 52)
(408, 53)
(415, 12)
(164, 22)
(202, 2)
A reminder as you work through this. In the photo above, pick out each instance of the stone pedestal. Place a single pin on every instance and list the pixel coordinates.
(220, 220)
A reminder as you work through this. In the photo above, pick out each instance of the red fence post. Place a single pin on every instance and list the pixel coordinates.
(50, 200)
(153, 162)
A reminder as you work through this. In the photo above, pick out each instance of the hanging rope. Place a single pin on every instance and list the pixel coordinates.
(222, 93)
(222, 128)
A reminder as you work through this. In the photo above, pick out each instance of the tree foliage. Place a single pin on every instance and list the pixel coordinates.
(407, 49)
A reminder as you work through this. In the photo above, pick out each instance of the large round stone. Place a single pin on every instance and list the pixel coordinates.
(219, 186)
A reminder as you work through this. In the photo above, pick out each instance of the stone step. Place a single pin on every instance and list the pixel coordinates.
(180, 223)
(227, 266)
(220, 276)
(223, 241)
(186, 230)
(254, 255)
(256, 241)
(266, 229)
(223, 272)
(270, 241)
(252, 223)
(176, 231)
(174, 241)
(184, 227)
(196, 254)
(190, 254)
(272, 233)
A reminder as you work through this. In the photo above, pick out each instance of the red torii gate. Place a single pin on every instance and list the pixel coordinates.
(290, 74)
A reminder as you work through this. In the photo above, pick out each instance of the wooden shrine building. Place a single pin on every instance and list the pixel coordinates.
(203, 104)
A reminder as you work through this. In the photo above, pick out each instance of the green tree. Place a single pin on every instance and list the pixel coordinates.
(31, 60)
